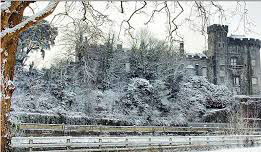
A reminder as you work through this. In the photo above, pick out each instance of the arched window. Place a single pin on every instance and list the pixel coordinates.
(254, 80)
(236, 81)
(233, 61)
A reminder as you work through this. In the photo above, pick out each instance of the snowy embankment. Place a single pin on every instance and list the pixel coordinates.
(251, 149)
(143, 102)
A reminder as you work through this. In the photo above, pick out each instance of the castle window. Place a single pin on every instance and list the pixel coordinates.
(197, 69)
(222, 68)
(253, 62)
(222, 61)
(236, 81)
(222, 71)
(223, 45)
(233, 61)
(233, 49)
(253, 53)
(204, 71)
(237, 49)
(219, 44)
(254, 80)
(222, 79)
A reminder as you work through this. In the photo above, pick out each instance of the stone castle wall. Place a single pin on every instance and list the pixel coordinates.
(233, 61)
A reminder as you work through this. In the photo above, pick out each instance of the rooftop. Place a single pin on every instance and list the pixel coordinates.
(193, 55)
(237, 36)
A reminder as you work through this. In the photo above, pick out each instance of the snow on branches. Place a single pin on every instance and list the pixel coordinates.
(31, 20)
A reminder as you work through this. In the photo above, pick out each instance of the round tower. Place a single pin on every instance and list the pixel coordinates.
(217, 49)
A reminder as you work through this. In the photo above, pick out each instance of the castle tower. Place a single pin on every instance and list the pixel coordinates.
(217, 50)
(233, 61)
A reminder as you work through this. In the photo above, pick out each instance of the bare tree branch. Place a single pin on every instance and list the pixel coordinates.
(128, 20)
(30, 21)
(155, 11)
(122, 10)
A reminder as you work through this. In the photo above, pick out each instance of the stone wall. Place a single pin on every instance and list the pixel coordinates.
(250, 110)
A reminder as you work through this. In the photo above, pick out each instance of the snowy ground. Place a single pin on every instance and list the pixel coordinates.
(252, 149)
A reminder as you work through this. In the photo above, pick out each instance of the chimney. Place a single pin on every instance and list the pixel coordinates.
(181, 48)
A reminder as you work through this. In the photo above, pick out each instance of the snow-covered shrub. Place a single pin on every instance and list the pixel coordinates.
(178, 98)
(141, 103)
(195, 95)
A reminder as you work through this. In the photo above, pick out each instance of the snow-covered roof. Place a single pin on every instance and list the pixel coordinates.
(237, 36)
(190, 67)
(200, 55)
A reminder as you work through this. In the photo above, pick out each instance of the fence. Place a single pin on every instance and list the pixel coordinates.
(59, 129)
(67, 143)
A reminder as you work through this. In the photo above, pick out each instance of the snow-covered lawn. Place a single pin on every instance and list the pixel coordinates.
(251, 149)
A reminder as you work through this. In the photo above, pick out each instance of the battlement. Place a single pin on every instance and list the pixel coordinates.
(217, 27)
(244, 41)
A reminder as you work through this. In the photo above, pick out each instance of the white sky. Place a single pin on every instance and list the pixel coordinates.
(194, 41)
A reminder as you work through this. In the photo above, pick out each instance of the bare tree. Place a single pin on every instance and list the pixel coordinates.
(12, 24)
(80, 33)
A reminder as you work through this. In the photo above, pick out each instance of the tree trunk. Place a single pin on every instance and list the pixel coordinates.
(9, 40)
(7, 87)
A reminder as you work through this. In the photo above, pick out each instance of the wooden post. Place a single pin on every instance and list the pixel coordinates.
(31, 146)
(100, 129)
(126, 142)
(190, 141)
(68, 141)
(207, 140)
(170, 141)
(149, 141)
(100, 142)
(164, 131)
(238, 141)
(63, 128)
(223, 140)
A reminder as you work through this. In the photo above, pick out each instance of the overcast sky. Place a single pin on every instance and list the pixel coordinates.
(194, 41)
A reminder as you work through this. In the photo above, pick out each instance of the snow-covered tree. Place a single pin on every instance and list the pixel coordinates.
(196, 95)
(37, 38)
(145, 55)
(141, 103)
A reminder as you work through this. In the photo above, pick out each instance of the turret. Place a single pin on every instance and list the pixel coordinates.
(217, 48)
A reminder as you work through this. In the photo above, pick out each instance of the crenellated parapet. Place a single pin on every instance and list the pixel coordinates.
(217, 28)
(244, 41)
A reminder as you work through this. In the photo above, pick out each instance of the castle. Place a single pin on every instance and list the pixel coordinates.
(232, 61)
